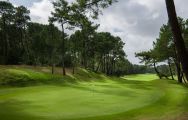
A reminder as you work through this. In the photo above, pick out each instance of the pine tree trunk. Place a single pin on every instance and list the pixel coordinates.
(53, 68)
(4, 40)
(178, 69)
(63, 50)
(158, 74)
(170, 69)
(73, 70)
(178, 39)
(178, 66)
(99, 64)
(26, 44)
(5, 43)
(21, 39)
(73, 62)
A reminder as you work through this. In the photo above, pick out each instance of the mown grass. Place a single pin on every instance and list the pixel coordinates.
(88, 96)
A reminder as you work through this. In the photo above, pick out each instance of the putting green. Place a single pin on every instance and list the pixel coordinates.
(95, 100)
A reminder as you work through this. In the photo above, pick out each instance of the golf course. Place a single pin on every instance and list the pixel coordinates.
(93, 60)
(34, 94)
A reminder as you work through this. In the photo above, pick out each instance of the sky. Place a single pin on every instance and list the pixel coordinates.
(137, 22)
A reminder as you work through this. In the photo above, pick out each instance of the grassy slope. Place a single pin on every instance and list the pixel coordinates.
(88, 96)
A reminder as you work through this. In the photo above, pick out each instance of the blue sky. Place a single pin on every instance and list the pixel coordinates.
(137, 22)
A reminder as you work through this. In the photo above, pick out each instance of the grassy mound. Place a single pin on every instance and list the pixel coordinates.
(24, 77)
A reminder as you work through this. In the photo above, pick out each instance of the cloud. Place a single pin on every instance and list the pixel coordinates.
(27, 3)
(137, 22)
(41, 11)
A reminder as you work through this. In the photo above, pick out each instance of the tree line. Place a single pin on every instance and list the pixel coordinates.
(26, 42)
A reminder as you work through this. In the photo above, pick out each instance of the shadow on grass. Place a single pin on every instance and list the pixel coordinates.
(127, 93)
(118, 88)
(12, 110)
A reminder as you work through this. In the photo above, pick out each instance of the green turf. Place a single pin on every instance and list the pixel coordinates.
(90, 96)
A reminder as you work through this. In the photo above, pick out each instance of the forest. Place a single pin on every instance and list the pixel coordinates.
(44, 68)
(25, 42)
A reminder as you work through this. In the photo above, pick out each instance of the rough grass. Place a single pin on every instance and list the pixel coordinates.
(88, 96)
(24, 77)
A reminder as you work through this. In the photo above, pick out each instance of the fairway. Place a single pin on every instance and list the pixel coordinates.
(93, 60)
(131, 97)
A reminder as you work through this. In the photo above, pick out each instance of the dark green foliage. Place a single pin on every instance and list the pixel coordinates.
(25, 42)
(164, 51)
(6, 19)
